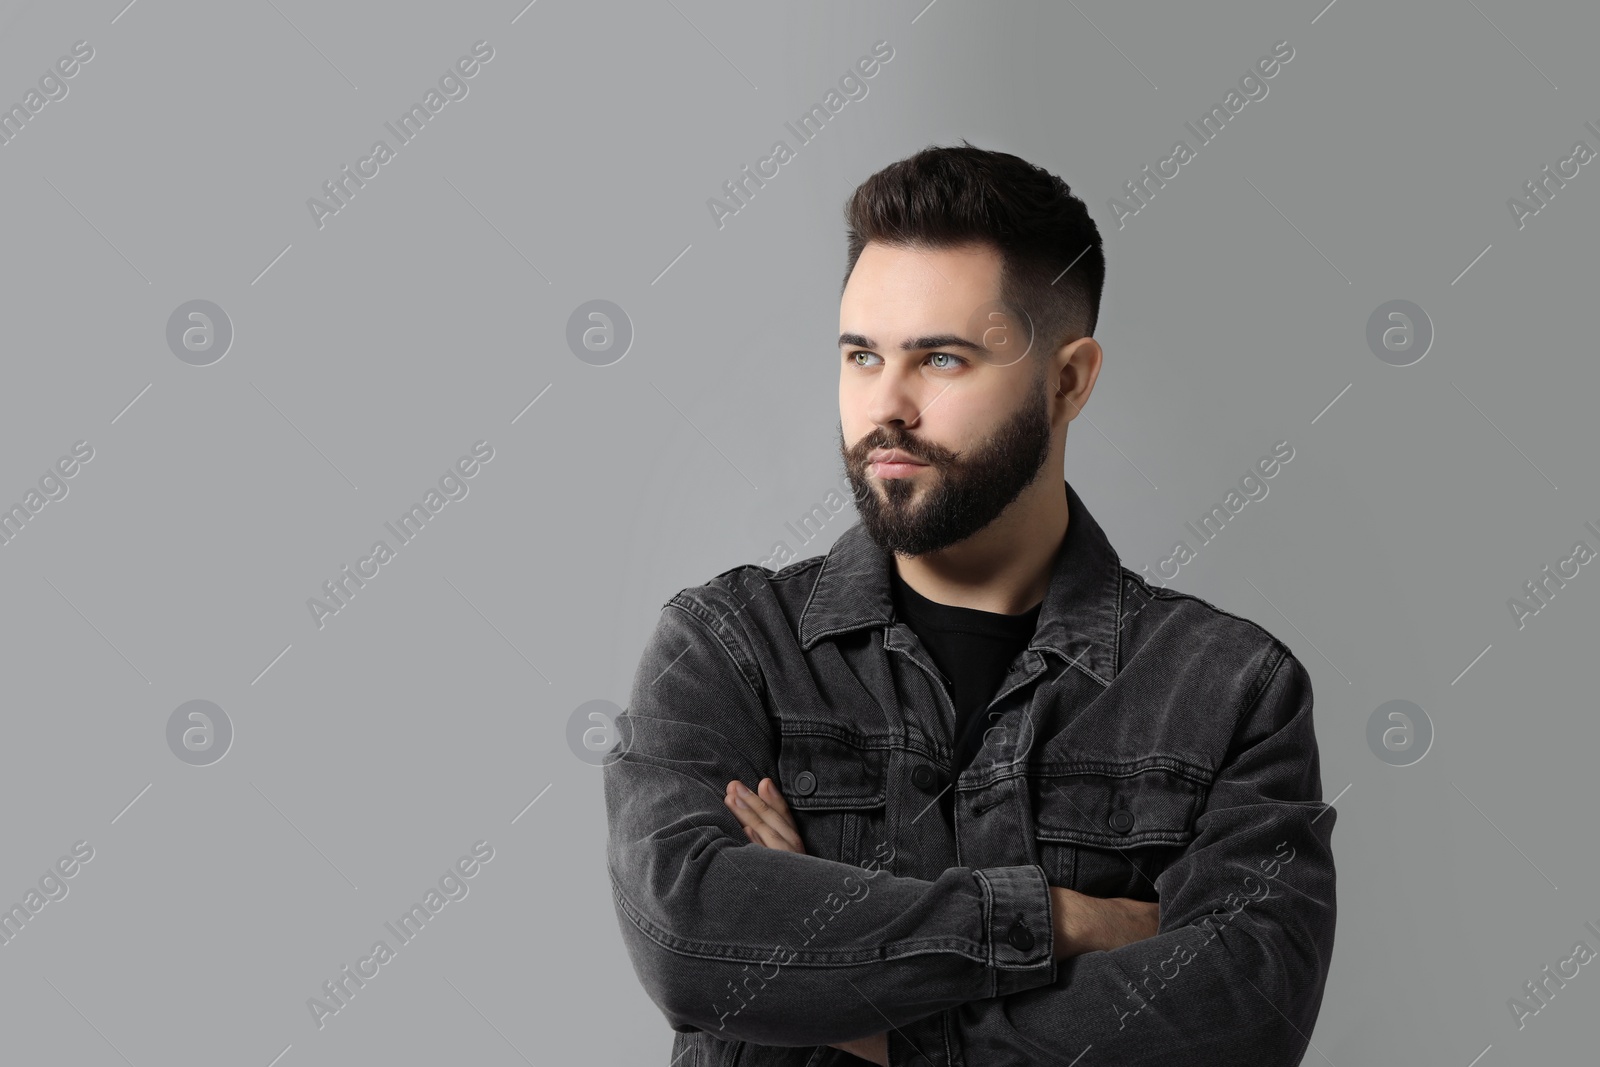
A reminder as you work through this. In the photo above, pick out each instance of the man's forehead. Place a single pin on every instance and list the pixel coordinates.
(976, 252)
(974, 324)
(908, 298)
(928, 273)
(927, 285)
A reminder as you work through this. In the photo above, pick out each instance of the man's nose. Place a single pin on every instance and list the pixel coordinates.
(899, 395)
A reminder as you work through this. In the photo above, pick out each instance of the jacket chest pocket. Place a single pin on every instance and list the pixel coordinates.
(837, 790)
(1109, 829)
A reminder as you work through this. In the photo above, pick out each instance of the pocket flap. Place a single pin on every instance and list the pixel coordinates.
(1109, 805)
(822, 772)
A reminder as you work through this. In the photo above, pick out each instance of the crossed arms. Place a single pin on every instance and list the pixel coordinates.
(775, 947)
(1079, 923)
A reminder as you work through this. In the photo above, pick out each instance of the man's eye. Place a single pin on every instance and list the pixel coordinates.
(952, 362)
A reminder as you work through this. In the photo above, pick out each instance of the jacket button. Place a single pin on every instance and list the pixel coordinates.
(805, 783)
(1021, 937)
(1121, 821)
(923, 778)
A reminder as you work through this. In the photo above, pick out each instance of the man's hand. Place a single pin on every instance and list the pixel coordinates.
(874, 1049)
(1099, 924)
(764, 815)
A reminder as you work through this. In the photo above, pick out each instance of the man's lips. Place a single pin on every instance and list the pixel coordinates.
(893, 463)
(892, 455)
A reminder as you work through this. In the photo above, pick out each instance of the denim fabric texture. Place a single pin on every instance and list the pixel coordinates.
(1146, 744)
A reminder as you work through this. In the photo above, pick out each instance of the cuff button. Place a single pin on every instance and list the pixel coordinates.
(1021, 937)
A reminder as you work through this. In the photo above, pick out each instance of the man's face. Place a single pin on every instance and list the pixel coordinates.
(930, 368)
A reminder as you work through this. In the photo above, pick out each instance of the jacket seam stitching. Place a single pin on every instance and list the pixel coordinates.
(731, 953)
(692, 609)
(1161, 592)
(1264, 676)
(1128, 768)
(1116, 632)
(1077, 662)
(805, 612)
(992, 961)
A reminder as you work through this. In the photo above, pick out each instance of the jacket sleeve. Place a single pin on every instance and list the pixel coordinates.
(1236, 970)
(772, 947)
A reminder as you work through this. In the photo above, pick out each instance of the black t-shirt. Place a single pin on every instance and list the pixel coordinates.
(974, 649)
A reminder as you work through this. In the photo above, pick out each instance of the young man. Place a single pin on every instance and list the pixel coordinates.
(1012, 805)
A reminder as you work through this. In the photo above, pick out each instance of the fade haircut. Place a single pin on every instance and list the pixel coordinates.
(947, 196)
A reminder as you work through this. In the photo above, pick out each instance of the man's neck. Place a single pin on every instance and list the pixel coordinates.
(1004, 567)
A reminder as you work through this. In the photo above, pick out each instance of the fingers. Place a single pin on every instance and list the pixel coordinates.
(774, 827)
(756, 827)
(765, 822)
(769, 792)
(778, 809)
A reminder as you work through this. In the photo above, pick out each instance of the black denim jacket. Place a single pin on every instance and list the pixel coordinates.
(1147, 744)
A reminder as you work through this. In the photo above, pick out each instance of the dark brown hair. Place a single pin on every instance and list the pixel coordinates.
(945, 196)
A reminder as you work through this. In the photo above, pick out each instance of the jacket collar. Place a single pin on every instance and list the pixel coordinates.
(1078, 620)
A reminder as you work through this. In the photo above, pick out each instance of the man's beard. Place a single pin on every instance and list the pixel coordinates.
(966, 491)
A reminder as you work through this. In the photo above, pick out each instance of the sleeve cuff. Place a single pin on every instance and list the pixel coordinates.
(1019, 935)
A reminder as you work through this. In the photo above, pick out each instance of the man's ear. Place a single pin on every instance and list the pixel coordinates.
(1084, 356)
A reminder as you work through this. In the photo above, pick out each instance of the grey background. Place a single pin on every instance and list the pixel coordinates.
(428, 314)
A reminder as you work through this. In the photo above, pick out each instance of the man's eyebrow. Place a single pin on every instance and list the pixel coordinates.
(913, 344)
